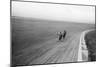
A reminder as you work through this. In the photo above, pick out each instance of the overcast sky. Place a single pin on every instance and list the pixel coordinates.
(82, 14)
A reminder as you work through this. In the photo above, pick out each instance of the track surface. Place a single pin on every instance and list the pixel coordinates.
(52, 51)
(35, 41)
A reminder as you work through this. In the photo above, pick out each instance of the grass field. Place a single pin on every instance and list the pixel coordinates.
(32, 32)
(35, 31)
(90, 39)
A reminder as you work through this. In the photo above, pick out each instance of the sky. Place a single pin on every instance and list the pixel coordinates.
(59, 12)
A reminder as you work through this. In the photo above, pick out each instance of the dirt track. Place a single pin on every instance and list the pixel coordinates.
(52, 51)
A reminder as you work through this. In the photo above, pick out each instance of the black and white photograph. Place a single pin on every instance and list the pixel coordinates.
(52, 33)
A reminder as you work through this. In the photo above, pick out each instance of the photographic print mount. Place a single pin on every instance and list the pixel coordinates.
(52, 33)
